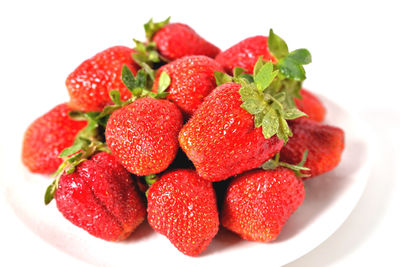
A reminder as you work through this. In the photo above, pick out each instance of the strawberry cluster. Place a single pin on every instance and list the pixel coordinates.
(183, 134)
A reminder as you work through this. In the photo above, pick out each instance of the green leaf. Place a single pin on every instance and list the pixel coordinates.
(277, 46)
(253, 105)
(265, 76)
(161, 95)
(163, 82)
(150, 179)
(75, 157)
(247, 77)
(153, 56)
(284, 131)
(105, 113)
(237, 71)
(221, 78)
(151, 27)
(91, 115)
(145, 53)
(293, 113)
(292, 87)
(258, 118)
(115, 97)
(139, 58)
(269, 165)
(50, 191)
(270, 123)
(279, 98)
(301, 56)
(141, 47)
(147, 69)
(291, 69)
(72, 149)
(87, 132)
(248, 92)
(141, 79)
(258, 65)
(128, 78)
(275, 86)
(137, 92)
(77, 115)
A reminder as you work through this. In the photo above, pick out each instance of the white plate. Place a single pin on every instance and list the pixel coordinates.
(329, 200)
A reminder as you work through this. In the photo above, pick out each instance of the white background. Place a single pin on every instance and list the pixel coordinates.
(356, 63)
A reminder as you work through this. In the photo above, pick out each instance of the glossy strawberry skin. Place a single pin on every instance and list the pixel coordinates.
(258, 203)
(245, 54)
(182, 206)
(143, 135)
(101, 198)
(311, 105)
(90, 83)
(192, 79)
(324, 143)
(220, 138)
(46, 137)
(176, 40)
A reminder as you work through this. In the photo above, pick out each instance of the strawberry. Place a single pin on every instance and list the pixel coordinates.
(245, 54)
(221, 140)
(192, 79)
(100, 197)
(311, 105)
(46, 137)
(243, 122)
(90, 83)
(143, 135)
(182, 206)
(324, 143)
(169, 41)
(176, 40)
(259, 202)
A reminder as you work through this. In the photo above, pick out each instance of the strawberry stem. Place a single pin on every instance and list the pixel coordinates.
(69, 164)
(150, 179)
(146, 54)
(297, 168)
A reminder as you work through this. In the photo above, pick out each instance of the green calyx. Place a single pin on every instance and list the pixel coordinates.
(266, 96)
(141, 86)
(146, 54)
(296, 168)
(87, 142)
(152, 27)
(290, 64)
(90, 139)
(269, 92)
(149, 180)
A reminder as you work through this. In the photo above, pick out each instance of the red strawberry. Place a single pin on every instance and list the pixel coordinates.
(143, 135)
(177, 40)
(100, 197)
(258, 203)
(245, 54)
(324, 143)
(311, 105)
(90, 83)
(221, 139)
(182, 206)
(192, 79)
(46, 137)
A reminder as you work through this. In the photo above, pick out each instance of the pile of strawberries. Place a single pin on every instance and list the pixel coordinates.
(178, 132)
